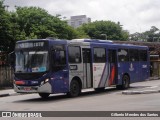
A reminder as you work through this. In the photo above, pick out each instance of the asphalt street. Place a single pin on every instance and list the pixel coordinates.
(108, 100)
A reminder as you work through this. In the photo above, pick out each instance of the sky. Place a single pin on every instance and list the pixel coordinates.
(134, 15)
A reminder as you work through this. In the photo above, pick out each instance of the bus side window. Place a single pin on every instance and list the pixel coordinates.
(133, 55)
(74, 54)
(99, 55)
(123, 55)
(59, 57)
(143, 55)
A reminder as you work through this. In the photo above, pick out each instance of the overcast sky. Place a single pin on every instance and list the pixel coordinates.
(134, 15)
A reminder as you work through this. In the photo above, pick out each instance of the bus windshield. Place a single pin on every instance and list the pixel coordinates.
(31, 61)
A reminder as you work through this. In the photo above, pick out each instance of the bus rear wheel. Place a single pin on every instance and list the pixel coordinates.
(44, 95)
(125, 83)
(75, 89)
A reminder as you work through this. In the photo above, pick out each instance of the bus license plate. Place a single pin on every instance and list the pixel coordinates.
(27, 88)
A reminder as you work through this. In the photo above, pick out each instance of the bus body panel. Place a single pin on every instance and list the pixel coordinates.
(82, 66)
(59, 82)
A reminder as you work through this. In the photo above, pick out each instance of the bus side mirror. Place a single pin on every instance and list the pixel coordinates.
(11, 59)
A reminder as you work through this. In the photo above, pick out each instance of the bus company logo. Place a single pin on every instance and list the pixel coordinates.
(6, 114)
(131, 67)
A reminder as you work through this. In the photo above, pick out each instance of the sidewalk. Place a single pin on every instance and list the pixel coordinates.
(7, 92)
(146, 87)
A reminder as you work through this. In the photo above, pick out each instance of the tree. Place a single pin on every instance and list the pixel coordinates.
(37, 23)
(30, 23)
(151, 35)
(98, 29)
(6, 41)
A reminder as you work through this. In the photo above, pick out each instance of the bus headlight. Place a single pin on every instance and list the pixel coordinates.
(46, 80)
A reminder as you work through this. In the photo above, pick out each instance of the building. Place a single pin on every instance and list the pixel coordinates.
(76, 21)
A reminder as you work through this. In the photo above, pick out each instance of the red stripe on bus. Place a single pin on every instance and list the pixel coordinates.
(112, 76)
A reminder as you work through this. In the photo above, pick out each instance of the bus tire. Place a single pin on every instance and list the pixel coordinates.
(75, 89)
(44, 95)
(125, 82)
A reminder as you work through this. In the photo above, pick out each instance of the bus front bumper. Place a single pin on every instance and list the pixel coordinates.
(45, 88)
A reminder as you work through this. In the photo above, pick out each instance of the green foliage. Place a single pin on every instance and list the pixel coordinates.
(152, 35)
(81, 33)
(5, 29)
(30, 23)
(98, 29)
(37, 23)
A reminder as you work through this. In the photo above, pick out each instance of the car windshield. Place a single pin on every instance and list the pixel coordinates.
(32, 61)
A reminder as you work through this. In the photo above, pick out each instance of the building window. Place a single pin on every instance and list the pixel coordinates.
(80, 22)
(99, 55)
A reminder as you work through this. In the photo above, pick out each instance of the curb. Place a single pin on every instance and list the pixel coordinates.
(140, 92)
(4, 95)
(13, 94)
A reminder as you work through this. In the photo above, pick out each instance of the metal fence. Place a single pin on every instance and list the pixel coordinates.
(6, 76)
(6, 72)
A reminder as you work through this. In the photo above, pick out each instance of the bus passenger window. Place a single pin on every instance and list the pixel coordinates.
(133, 54)
(99, 55)
(74, 54)
(143, 55)
(123, 55)
(59, 57)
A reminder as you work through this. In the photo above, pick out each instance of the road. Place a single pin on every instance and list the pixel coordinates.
(109, 100)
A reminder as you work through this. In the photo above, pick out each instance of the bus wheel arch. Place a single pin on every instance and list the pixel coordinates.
(44, 95)
(75, 87)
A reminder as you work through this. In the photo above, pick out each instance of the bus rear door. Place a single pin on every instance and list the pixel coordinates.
(87, 68)
(112, 60)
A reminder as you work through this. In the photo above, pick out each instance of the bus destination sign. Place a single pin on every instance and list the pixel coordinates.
(29, 44)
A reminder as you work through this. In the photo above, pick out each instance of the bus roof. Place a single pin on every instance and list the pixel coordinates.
(115, 45)
(47, 39)
(92, 40)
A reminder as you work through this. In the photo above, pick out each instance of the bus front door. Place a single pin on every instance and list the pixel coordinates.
(87, 68)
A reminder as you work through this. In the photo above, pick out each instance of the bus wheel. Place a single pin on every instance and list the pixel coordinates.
(44, 95)
(74, 89)
(126, 82)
